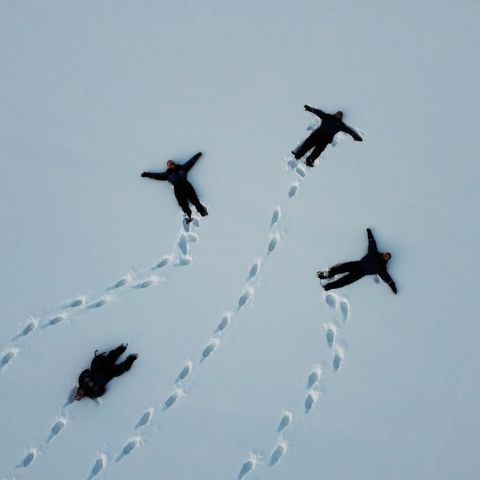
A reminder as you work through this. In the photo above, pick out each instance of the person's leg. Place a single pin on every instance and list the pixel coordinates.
(345, 280)
(114, 354)
(193, 197)
(307, 145)
(316, 152)
(182, 199)
(123, 367)
(346, 267)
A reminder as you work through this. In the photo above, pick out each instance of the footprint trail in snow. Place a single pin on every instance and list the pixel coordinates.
(81, 305)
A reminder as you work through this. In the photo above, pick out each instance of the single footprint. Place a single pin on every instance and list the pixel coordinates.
(292, 164)
(30, 327)
(146, 283)
(184, 261)
(284, 421)
(99, 303)
(129, 447)
(337, 360)
(314, 377)
(183, 244)
(71, 396)
(76, 302)
(272, 244)
(196, 222)
(331, 300)
(28, 459)
(53, 321)
(224, 322)
(330, 336)
(185, 372)
(345, 309)
(172, 398)
(145, 418)
(99, 465)
(57, 428)
(192, 237)
(7, 358)
(311, 398)
(278, 453)
(244, 297)
(248, 466)
(210, 348)
(120, 283)
(277, 213)
(300, 171)
(293, 190)
(254, 270)
(162, 263)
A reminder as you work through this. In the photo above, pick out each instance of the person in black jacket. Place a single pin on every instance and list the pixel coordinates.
(323, 135)
(373, 263)
(176, 174)
(92, 382)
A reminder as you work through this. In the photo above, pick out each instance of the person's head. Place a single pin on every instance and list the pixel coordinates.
(170, 164)
(387, 256)
(339, 115)
(80, 393)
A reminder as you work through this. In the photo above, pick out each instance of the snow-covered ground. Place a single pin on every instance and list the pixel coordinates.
(246, 369)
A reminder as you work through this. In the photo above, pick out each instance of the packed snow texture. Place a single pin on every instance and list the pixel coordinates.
(246, 369)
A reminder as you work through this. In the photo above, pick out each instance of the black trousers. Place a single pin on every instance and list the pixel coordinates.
(353, 271)
(315, 141)
(105, 363)
(186, 194)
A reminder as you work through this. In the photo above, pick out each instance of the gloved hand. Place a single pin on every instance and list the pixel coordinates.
(144, 174)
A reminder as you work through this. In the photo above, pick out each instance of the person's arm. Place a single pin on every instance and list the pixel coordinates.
(96, 391)
(155, 176)
(188, 165)
(385, 276)
(372, 244)
(315, 111)
(352, 133)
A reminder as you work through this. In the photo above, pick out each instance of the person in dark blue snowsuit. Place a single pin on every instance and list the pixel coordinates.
(318, 140)
(176, 174)
(373, 263)
(92, 382)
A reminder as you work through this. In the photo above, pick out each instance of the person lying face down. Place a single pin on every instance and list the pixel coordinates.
(92, 382)
(318, 140)
(373, 263)
(176, 174)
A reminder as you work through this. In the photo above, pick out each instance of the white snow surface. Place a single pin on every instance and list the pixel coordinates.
(246, 369)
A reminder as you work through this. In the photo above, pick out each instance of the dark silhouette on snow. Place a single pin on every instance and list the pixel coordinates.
(318, 140)
(373, 263)
(92, 382)
(185, 194)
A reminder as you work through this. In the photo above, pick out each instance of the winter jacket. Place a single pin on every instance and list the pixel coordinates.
(373, 263)
(176, 175)
(330, 126)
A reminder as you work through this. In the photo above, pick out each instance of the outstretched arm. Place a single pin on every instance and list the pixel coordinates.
(154, 176)
(188, 165)
(315, 111)
(372, 244)
(385, 276)
(352, 133)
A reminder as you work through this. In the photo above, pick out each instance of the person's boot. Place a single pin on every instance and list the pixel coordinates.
(323, 275)
(188, 219)
(203, 211)
(310, 163)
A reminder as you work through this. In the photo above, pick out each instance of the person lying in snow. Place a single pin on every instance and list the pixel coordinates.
(92, 382)
(373, 263)
(323, 135)
(176, 174)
